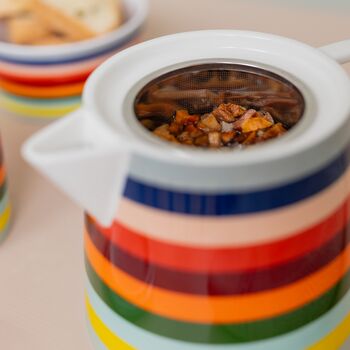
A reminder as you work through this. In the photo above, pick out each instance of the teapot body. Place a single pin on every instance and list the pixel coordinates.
(206, 250)
(203, 258)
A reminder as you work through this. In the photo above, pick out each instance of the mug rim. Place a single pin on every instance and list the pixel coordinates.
(270, 151)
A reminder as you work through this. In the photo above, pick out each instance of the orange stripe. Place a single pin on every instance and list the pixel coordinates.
(42, 92)
(2, 175)
(218, 309)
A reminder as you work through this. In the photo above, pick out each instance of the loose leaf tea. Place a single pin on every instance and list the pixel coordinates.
(229, 125)
(213, 108)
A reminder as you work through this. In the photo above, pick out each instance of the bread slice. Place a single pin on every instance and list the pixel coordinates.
(90, 16)
(10, 8)
(26, 29)
(50, 39)
(60, 24)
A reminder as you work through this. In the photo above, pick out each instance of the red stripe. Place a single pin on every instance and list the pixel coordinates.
(221, 260)
(47, 81)
(220, 283)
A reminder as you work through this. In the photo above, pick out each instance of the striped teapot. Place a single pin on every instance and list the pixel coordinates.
(191, 249)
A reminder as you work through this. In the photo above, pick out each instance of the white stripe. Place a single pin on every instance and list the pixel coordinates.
(232, 179)
(235, 230)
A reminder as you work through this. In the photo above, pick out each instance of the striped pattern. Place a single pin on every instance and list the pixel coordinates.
(5, 210)
(60, 73)
(46, 89)
(237, 203)
(38, 108)
(241, 270)
(109, 330)
(42, 92)
(84, 57)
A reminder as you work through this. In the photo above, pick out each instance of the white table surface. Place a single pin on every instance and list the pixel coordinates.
(41, 264)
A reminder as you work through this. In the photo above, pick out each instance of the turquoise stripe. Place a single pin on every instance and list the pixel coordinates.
(3, 202)
(296, 340)
(58, 102)
(3, 188)
(5, 232)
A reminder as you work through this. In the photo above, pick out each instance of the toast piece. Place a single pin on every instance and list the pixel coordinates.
(50, 39)
(27, 29)
(80, 19)
(95, 16)
(10, 8)
(61, 24)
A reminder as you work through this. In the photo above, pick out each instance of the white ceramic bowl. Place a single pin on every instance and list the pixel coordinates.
(136, 11)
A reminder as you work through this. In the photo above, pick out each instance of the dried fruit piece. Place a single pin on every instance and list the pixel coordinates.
(250, 139)
(175, 128)
(250, 113)
(214, 139)
(228, 112)
(246, 128)
(185, 138)
(194, 131)
(183, 117)
(202, 141)
(254, 124)
(209, 123)
(273, 132)
(266, 115)
(226, 127)
(228, 137)
(163, 132)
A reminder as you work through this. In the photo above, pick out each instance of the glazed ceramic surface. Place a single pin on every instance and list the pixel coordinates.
(136, 11)
(42, 82)
(193, 250)
(5, 210)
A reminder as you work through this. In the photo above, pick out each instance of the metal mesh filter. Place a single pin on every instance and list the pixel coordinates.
(202, 88)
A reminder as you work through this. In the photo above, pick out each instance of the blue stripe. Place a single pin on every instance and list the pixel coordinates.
(237, 203)
(78, 58)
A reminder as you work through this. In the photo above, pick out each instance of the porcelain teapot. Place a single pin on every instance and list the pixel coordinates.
(194, 249)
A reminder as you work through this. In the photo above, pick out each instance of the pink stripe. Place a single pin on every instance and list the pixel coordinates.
(240, 230)
(59, 69)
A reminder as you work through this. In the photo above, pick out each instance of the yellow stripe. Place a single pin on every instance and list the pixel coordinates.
(335, 339)
(5, 218)
(109, 339)
(32, 111)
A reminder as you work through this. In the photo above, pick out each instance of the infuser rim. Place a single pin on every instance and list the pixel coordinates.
(286, 146)
(240, 65)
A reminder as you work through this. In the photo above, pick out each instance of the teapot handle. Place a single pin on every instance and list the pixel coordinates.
(339, 51)
(85, 160)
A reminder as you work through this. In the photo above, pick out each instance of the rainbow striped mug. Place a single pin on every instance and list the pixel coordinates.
(4, 202)
(195, 250)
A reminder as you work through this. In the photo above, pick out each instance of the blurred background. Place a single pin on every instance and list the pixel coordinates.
(41, 264)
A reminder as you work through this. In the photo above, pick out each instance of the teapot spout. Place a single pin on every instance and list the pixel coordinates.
(84, 160)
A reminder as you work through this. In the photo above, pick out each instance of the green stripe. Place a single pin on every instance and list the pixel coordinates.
(218, 334)
(3, 188)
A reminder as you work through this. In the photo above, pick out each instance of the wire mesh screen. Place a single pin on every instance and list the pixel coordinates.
(187, 100)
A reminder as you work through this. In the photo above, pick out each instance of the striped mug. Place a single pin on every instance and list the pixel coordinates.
(4, 203)
(197, 249)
